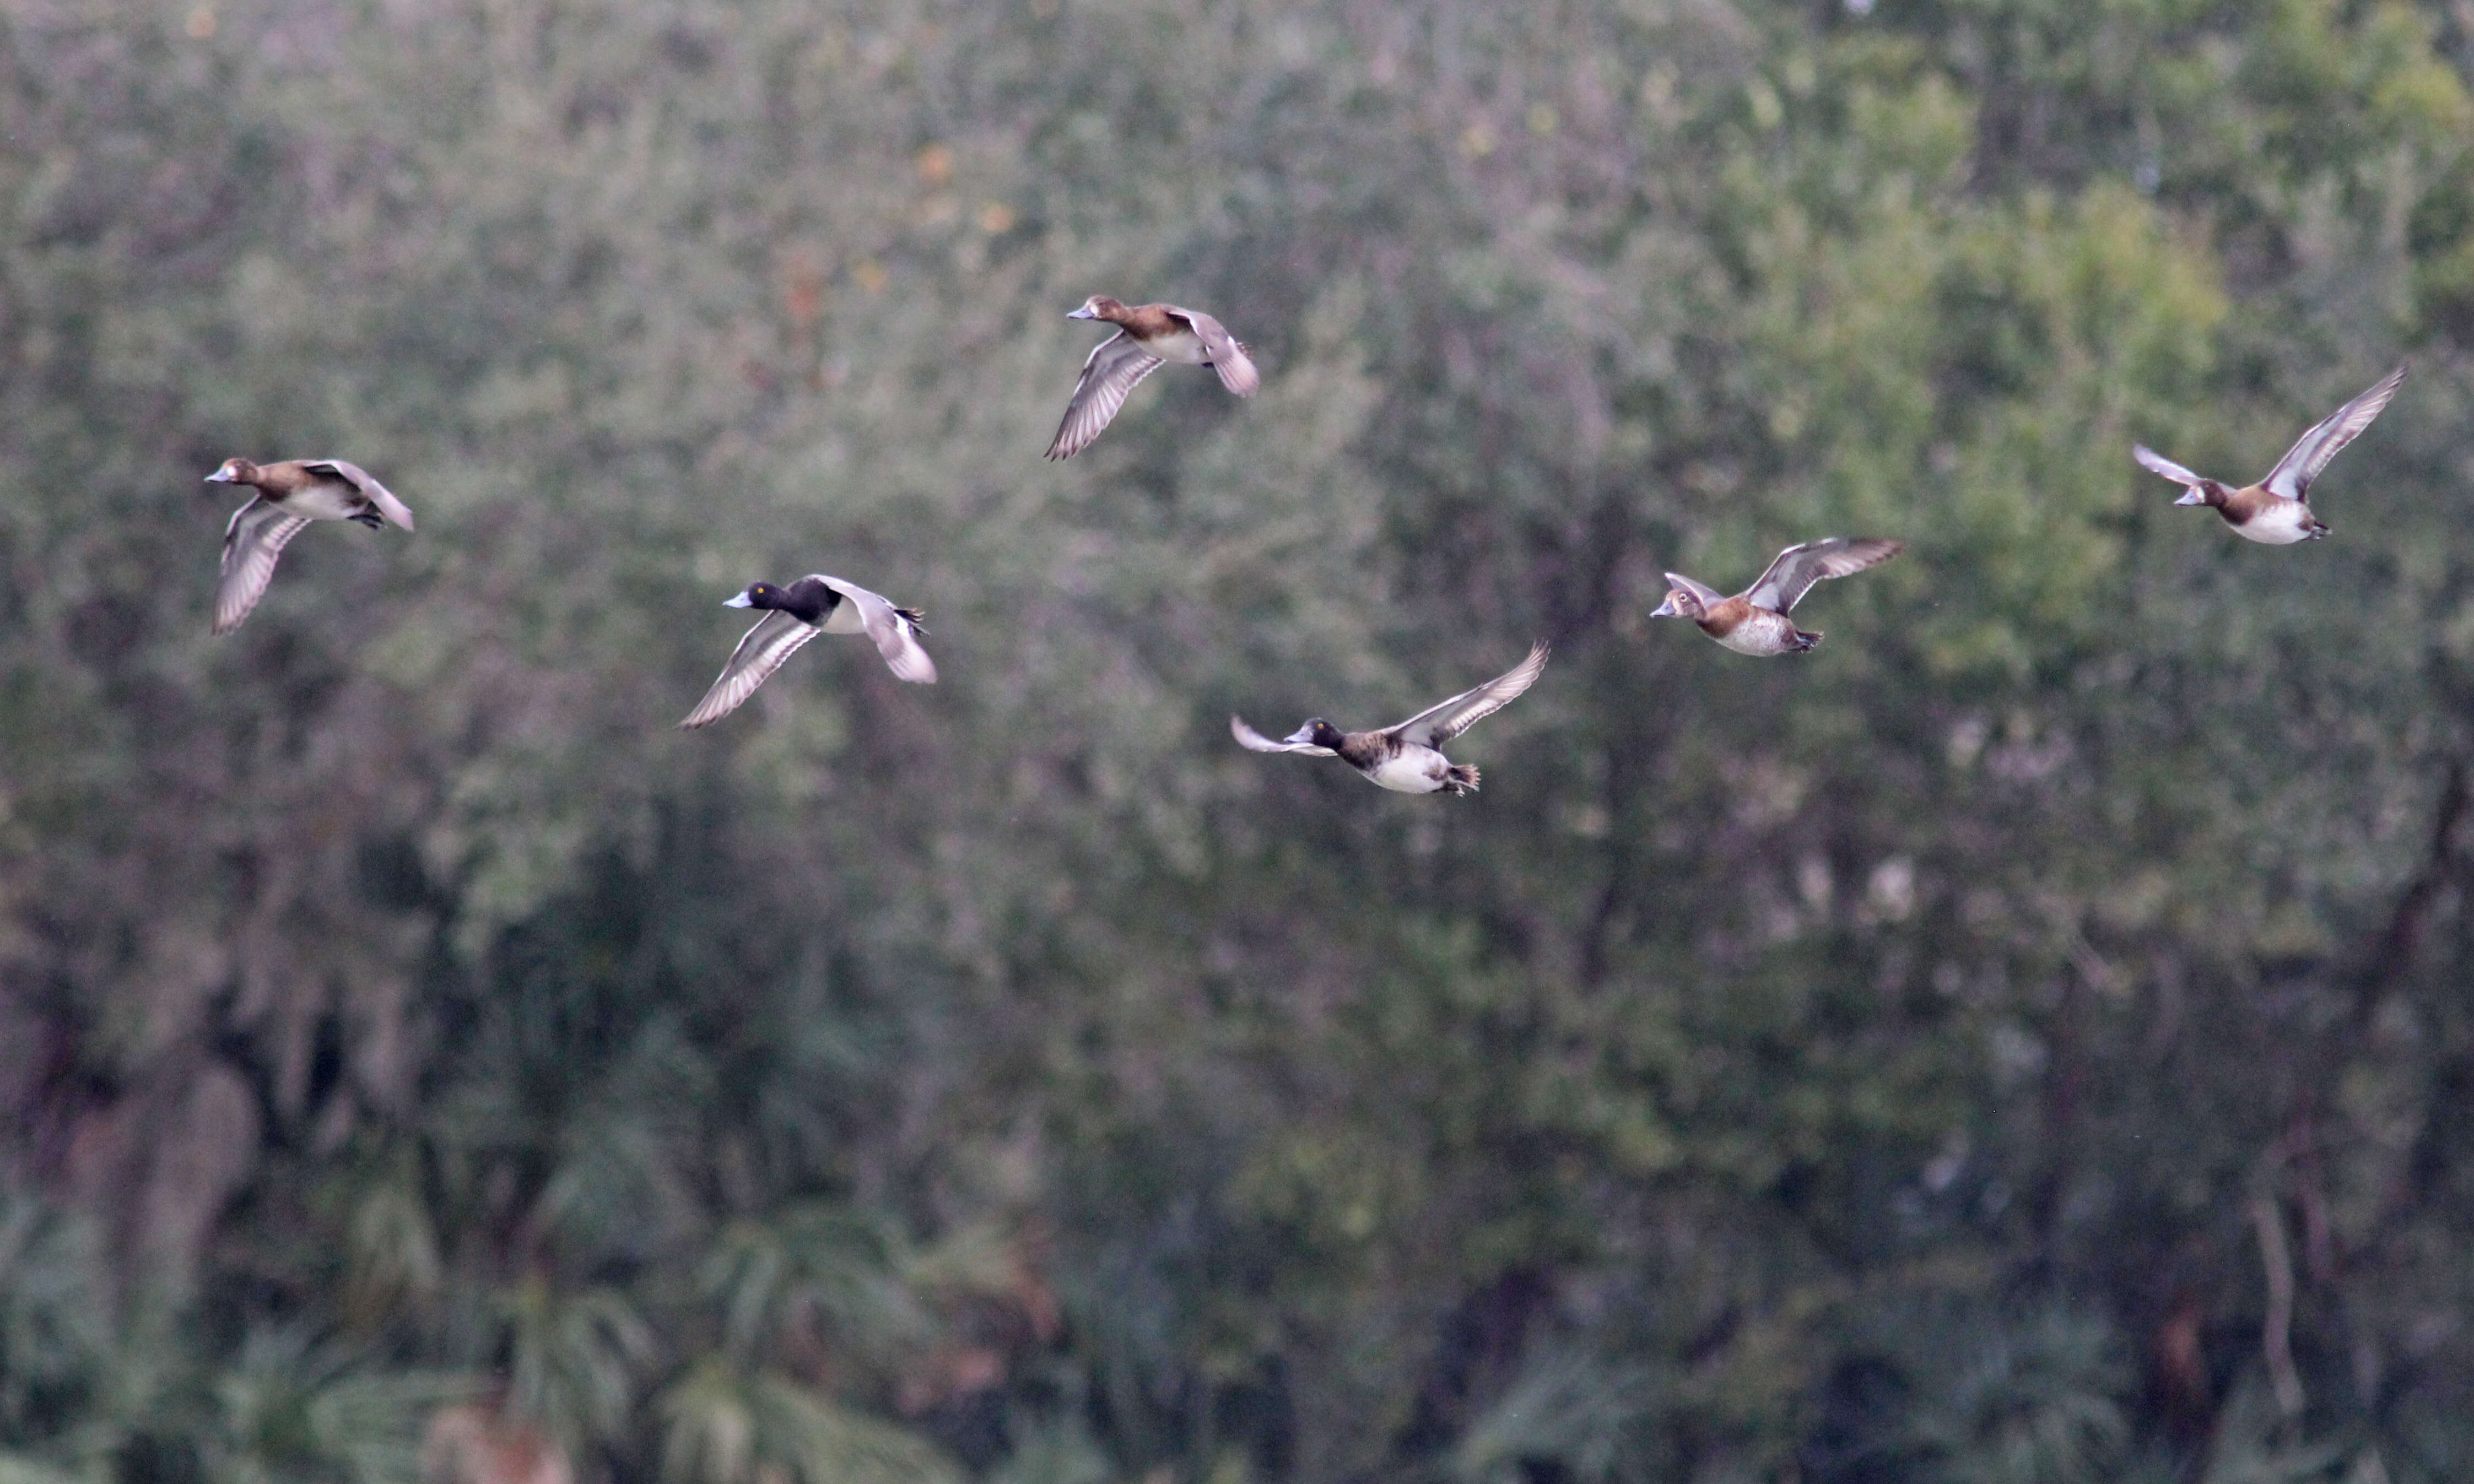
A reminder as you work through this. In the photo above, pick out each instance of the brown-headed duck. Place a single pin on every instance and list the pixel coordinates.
(290, 495)
(1407, 757)
(1148, 337)
(1754, 621)
(815, 604)
(2276, 512)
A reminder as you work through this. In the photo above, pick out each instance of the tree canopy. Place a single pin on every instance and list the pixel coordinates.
(2025, 1039)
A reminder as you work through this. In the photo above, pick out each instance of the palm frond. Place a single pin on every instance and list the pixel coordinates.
(2250, 1445)
(1578, 1411)
(574, 1361)
(723, 1423)
(1060, 1451)
(2034, 1403)
(817, 1265)
(54, 1330)
(287, 1407)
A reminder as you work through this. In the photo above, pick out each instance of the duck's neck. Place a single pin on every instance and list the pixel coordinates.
(807, 600)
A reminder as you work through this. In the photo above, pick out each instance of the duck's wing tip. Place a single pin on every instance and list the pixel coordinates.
(1445, 720)
(253, 543)
(1797, 569)
(2310, 454)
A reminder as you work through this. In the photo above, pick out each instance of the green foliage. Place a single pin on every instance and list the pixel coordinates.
(727, 1427)
(2038, 1402)
(291, 1410)
(1858, 1067)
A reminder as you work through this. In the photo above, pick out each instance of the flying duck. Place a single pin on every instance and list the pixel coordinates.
(1754, 621)
(290, 495)
(1405, 757)
(2276, 511)
(1148, 336)
(815, 604)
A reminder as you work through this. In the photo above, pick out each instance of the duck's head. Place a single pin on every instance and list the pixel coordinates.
(756, 595)
(234, 471)
(1681, 603)
(1317, 733)
(1098, 306)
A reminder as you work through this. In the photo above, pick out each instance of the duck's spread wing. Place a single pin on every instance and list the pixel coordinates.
(776, 637)
(1798, 567)
(1227, 353)
(254, 538)
(1710, 597)
(359, 479)
(2157, 464)
(2310, 454)
(1438, 725)
(1248, 737)
(1109, 376)
(896, 635)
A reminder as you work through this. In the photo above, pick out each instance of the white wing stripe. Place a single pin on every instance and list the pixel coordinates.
(1439, 723)
(774, 639)
(2311, 452)
(1799, 568)
(893, 633)
(1248, 737)
(1109, 377)
(2157, 464)
(1227, 356)
(256, 536)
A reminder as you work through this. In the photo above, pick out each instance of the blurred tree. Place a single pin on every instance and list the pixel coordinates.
(1961, 1053)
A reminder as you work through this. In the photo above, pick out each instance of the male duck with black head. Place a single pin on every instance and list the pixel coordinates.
(2276, 512)
(290, 495)
(1149, 336)
(793, 614)
(1408, 759)
(1754, 621)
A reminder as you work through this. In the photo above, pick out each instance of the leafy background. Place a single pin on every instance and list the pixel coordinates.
(2026, 1040)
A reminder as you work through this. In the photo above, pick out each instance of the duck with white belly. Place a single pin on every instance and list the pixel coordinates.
(1149, 336)
(1754, 621)
(2276, 512)
(814, 605)
(289, 496)
(1408, 759)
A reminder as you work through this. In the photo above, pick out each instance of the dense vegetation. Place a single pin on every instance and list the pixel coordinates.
(2026, 1040)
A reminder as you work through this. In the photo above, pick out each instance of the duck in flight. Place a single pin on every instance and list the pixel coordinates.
(815, 604)
(290, 495)
(1754, 621)
(1408, 757)
(1149, 336)
(2276, 512)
